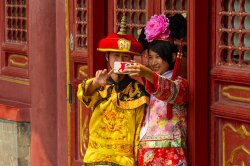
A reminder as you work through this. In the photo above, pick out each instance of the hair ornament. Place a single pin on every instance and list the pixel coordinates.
(157, 28)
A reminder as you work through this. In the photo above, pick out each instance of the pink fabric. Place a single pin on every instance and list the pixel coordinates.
(157, 128)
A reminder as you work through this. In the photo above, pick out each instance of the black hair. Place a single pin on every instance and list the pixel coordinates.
(166, 48)
(177, 26)
(142, 39)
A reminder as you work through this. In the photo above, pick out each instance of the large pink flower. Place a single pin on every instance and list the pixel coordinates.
(157, 27)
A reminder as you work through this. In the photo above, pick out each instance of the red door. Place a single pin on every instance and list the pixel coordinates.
(85, 19)
(230, 83)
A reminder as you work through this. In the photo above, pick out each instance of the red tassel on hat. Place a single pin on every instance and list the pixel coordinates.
(177, 65)
(177, 68)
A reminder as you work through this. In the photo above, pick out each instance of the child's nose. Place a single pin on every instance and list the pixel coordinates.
(153, 61)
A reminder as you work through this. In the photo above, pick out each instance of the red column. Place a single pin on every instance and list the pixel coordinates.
(198, 82)
(43, 80)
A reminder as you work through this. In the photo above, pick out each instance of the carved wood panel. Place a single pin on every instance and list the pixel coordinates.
(78, 70)
(230, 85)
(234, 143)
(84, 33)
(14, 57)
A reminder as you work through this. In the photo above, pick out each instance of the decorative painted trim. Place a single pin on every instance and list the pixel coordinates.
(13, 61)
(22, 82)
(226, 93)
(82, 71)
(235, 151)
(242, 132)
(68, 79)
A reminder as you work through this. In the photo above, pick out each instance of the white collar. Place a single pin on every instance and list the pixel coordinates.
(168, 74)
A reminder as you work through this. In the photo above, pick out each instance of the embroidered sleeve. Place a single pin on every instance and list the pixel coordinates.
(167, 90)
(89, 101)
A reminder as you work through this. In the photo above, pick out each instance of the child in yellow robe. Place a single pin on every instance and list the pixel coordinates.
(117, 103)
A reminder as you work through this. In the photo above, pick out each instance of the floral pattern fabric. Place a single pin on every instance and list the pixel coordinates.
(163, 141)
(162, 157)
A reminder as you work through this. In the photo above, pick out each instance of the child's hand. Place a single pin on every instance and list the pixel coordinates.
(101, 77)
(137, 70)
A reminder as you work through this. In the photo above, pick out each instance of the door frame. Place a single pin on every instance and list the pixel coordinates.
(96, 19)
(198, 79)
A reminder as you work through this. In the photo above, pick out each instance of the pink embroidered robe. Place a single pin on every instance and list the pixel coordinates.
(163, 141)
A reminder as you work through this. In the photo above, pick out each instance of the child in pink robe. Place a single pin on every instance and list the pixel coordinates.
(163, 133)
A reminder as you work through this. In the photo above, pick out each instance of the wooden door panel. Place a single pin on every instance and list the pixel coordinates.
(230, 84)
(232, 94)
(86, 28)
(14, 59)
(78, 69)
(14, 37)
(233, 142)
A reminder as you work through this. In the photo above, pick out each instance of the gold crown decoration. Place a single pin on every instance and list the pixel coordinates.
(122, 30)
(124, 44)
(121, 41)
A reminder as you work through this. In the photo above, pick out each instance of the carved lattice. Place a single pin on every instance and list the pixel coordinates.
(135, 12)
(15, 21)
(81, 20)
(170, 7)
(174, 6)
(234, 33)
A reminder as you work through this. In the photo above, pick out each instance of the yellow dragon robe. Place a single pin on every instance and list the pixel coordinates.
(114, 128)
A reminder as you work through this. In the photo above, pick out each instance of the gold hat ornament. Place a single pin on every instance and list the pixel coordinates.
(120, 42)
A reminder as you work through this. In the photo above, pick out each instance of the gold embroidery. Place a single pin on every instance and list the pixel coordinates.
(135, 92)
(113, 120)
(126, 149)
(131, 104)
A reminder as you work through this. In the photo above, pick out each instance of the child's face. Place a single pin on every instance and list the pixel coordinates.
(118, 57)
(156, 63)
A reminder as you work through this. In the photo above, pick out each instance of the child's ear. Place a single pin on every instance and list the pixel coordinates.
(174, 57)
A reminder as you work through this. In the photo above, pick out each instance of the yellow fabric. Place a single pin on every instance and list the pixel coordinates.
(113, 129)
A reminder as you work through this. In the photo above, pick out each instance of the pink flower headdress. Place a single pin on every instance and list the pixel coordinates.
(157, 28)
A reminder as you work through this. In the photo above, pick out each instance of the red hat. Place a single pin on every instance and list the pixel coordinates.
(120, 42)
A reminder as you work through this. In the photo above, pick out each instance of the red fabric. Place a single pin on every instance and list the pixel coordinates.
(161, 157)
(169, 111)
(152, 88)
(177, 68)
(111, 42)
(176, 72)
